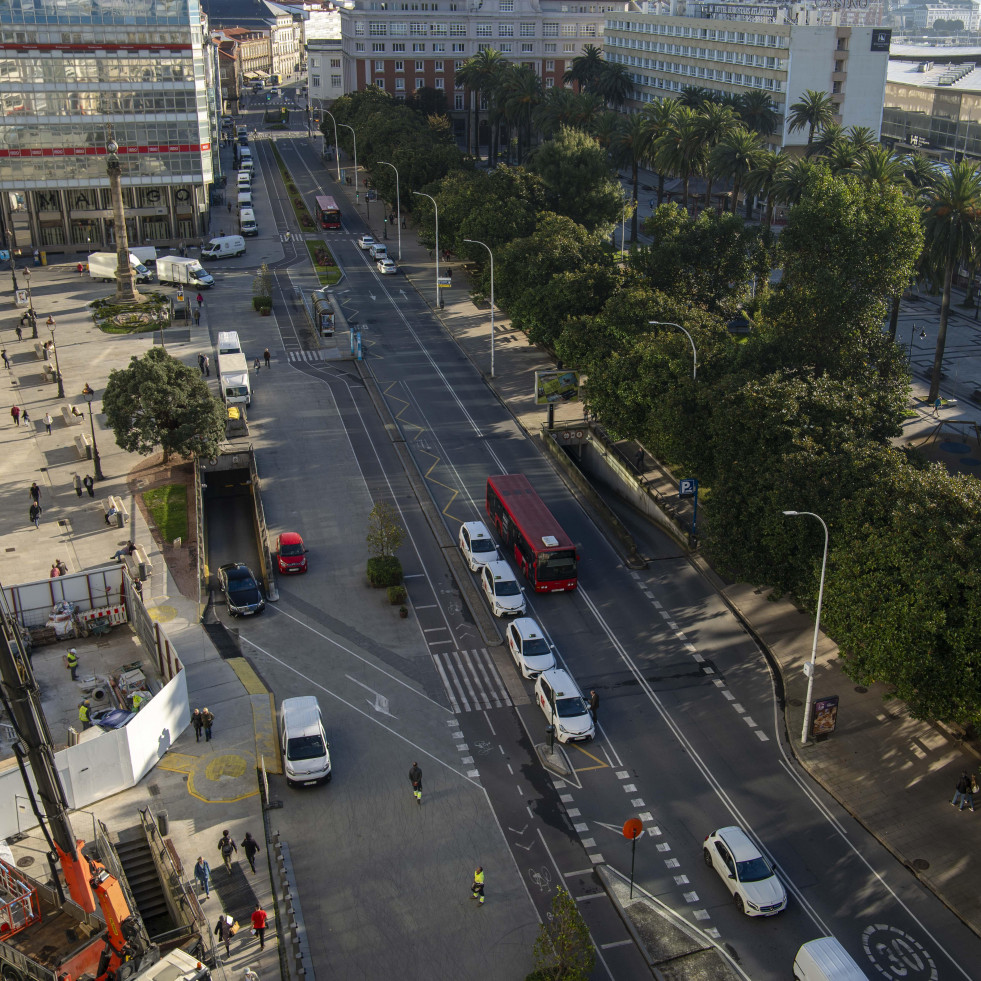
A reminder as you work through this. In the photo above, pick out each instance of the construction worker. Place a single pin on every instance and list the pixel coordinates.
(71, 659)
(477, 889)
(139, 697)
(85, 714)
(415, 778)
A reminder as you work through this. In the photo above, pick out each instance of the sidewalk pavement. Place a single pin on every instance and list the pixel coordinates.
(894, 775)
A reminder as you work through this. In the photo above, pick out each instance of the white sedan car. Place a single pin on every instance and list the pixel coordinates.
(477, 545)
(366, 242)
(529, 648)
(746, 873)
(386, 266)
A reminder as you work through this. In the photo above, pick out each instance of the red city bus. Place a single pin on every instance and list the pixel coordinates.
(532, 536)
(328, 214)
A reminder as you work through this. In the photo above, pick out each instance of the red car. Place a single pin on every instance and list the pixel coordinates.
(291, 556)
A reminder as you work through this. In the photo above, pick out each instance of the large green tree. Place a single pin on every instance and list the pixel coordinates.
(812, 111)
(160, 402)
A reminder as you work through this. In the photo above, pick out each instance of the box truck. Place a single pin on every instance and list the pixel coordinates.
(147, 254)
(246, 222)
(233, 376)
(182, 272)
(223, 247)
(103, 265)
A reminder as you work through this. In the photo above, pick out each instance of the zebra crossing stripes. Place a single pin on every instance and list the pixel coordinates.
(471, 680)
(319, 355)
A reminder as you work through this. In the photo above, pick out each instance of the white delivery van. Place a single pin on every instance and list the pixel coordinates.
(246, 222)
(147, 254)
(103, 265)
(306, 752)
(182, 272)
(223, 247)
(244, 179)
(826, 960)
(244, 199)
(247, 164)
(228, 342)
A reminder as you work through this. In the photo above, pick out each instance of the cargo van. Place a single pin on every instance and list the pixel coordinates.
(228, 342)
(244, 199)
(224, 247)
(103, 265)
(246, 164)
(306, 752)
(147, 254)
(826, 960)
(246, 222)
(244, 178)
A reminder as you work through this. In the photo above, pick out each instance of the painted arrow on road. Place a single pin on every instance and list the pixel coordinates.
(380, 703)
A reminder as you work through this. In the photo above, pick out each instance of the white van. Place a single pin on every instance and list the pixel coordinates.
(244, 199)
(223, 247)
(228, 342)
(826, 960)
(244, 179)
(306, 752)
(147, 254)
(246, 222)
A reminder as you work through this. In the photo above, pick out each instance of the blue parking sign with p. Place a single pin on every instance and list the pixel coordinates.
(687, 487)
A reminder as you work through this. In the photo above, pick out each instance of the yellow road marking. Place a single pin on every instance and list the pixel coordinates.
(215, 768)
(601, 766)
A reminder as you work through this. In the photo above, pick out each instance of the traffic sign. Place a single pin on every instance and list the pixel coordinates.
(687, 487)
(633, 828)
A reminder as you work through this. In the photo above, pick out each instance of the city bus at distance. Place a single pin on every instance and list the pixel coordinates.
(531, 535)
(328, 214)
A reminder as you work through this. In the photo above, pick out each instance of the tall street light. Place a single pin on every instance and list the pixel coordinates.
(31, 315)
(126, 291)
(694, 353)
(491, 254)
(398, 204)
(337, 148)
(89, 394)
(806, 731)
(357, 186)
(911, 333)
(61, 387)
(439, 298)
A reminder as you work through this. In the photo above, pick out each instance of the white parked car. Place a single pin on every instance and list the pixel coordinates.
(529, 648)
(366, 242)
(502, 590)
(477, 545)
(757, 890)
(386, 266)
(560, 699)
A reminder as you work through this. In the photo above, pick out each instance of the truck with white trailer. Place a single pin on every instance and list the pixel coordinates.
(182, 272)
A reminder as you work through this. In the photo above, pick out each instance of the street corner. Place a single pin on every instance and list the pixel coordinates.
(215, 779)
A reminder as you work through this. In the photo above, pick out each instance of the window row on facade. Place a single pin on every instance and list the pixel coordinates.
(82, 70)
(699, 72)
(81, 19)
(699, 33)
(706, 54)
(161, 168)
(439, 47)
(427, 29)
(41, 103)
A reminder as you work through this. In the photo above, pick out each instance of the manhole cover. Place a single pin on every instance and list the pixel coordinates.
(920, 864)
(796, 702)
(25, 862)
(861, 689)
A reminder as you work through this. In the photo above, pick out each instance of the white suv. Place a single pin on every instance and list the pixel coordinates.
(757, 890)
(529, 648)
(365, 242)
(502, 590)
(559, 697)
(477, 545)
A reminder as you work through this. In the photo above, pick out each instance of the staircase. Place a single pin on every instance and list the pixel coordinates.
(141, 874)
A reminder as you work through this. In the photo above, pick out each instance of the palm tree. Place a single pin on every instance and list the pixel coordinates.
(712, 123)
(736, 156)
(563, 107)
(520, 93)
(877, 165)
(614, 84)
(953, 226)
(793, 181)
(478, 75)
(660, 115)
(695, 97)
(814, 110)
(630, 147)
(585, 68)
(828, 137)
(605, 127)
(843, 158)
(757, 111)
(764, 180)
(920, 171)
(861, 137)
(677, 149)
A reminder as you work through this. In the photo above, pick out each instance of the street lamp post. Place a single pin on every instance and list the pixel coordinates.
(398, 204)
(89, 394)
(439, 298)
(31, 315)
(491, 254)
(337, 148)
(694, 353)
(61, 387)
(911, 333)
(357, 186)
(806, 731)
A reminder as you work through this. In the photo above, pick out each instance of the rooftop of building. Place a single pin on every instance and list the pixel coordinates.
(935, 71)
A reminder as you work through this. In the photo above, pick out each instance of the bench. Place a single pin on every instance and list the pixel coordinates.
(70, 418)
(138, 565)
(48, 369)
(40, 351)
(83, 444)
(119, 518)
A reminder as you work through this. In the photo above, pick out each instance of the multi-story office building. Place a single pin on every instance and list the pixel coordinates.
(283, 28)
(782, 49)
(405, 46)
(68, 73)
(245, 57)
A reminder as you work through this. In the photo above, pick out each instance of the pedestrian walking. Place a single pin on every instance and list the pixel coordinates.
(202, 872)
(251, 848)
(19, 331)
(227, 848)
(200, 301)
(35, 493)
(15, 414)
(256, 365)
(85, 714)
(207, 366)
(89, 484)
(201, 363)
(35, 514)
(62, 568)
(47, 422)
(639, 461)
(937, 405)
(259, 925)
(81, 268)
(963, 792)
(209, 720)
(477, 889)
(197, 317)
(6, 360)
(55, 571)
(77, 484)
(71, 659)
(593, 705)
(198, 724)
(26, 417)
(223, 931)
(415, 778)
(266, 356)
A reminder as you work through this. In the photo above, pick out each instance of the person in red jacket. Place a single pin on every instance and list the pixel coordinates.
(259, 925)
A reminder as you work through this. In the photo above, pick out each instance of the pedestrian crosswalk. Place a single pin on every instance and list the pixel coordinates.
(471, 680)
(319, 355)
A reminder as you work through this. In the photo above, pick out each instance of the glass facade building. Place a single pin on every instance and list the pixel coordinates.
(70, 70)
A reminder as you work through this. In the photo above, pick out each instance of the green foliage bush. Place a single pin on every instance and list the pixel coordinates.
(397, 595)
(384, 571)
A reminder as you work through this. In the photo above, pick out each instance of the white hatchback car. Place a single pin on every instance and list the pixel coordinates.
(365, 242)
(477, 545)
(757, 890)
(502, 590)
(386, 266)
(559, 697)
(529, 648)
